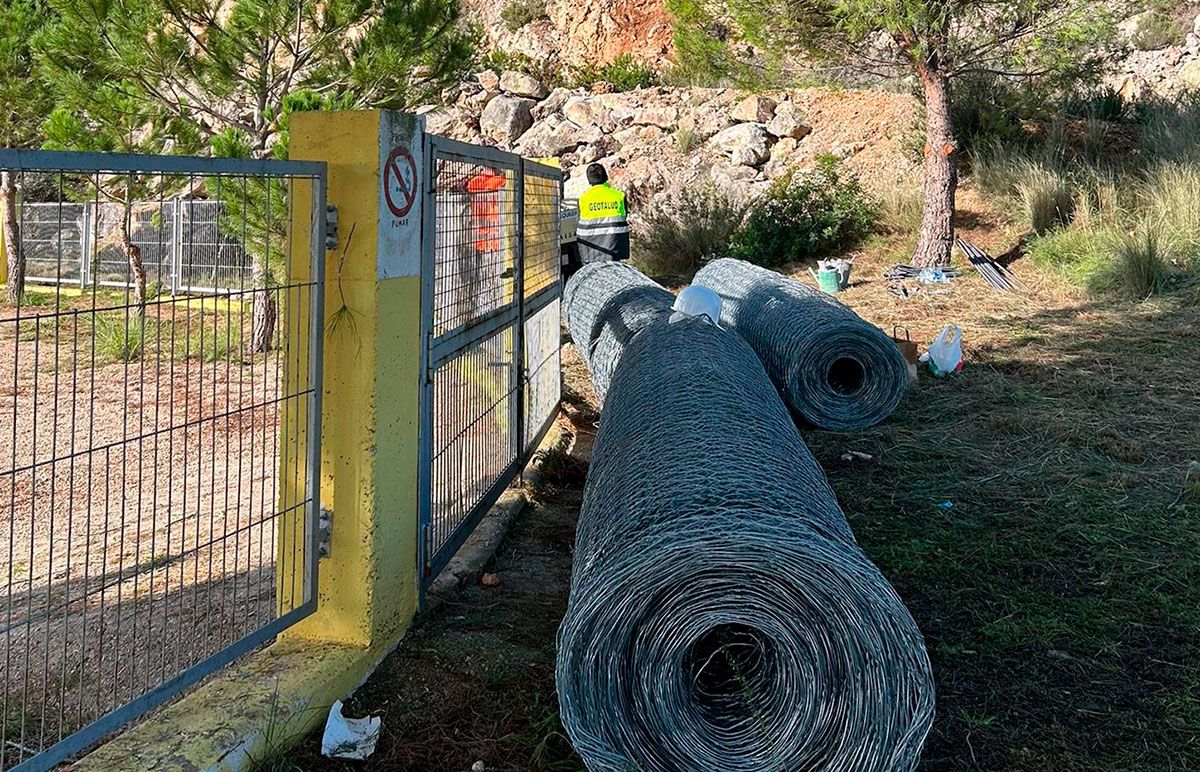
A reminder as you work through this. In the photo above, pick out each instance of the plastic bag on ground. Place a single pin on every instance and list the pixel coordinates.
(945, 353)
(349, 738)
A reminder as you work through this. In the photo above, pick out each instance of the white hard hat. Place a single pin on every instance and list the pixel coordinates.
(697, 302)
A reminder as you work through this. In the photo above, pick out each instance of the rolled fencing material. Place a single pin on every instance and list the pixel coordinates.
(606, 305)
(834, 370)
(721, 615)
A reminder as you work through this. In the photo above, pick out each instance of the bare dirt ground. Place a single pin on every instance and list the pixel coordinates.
(1057, 592)
(140, 517)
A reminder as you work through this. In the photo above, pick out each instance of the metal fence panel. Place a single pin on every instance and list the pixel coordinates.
(491, 321)
(145, 493)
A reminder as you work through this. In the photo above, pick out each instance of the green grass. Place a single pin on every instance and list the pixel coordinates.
(1058, 597)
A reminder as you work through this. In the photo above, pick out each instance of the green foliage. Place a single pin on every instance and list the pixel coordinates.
(119, 337)
(231, 66)
(1082, 205)
(687, 140)
(1138, 268)
(682, 232)
(519, 13)
(805, 215)
(1156, 30)
(623, 73)
(27, 102)
(501, 60)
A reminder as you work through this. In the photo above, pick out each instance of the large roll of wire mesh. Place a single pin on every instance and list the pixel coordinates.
(835, 370)
(721, 615)
(606, 305)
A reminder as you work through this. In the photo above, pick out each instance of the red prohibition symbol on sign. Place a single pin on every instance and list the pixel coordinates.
(400, 181)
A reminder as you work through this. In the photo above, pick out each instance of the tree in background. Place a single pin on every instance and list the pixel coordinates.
(99, 112)
(228, 68)
(1033, 41)
(26, 103)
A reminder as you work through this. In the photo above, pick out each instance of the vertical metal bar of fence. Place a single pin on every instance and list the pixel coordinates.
(519, 330)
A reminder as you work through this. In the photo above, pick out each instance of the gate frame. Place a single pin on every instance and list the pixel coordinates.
(438, 350)
(39, 161)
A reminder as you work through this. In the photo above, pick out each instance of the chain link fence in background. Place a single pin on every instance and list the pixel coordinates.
(183, 245)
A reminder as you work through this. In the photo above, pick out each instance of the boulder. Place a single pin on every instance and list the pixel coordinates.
(754, 109)
(1188, 75)
(552, 104)
(555, 136)
(584, 111)
(1196, 26)
(489, 80)
(747, 144)
(506, 118)
(787, 123)
(521, 84)
(662, 117)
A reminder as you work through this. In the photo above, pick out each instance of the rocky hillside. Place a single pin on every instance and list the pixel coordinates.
(576, 33)
(659, 139)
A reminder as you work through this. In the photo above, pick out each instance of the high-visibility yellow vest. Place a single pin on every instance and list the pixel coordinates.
(603, 231)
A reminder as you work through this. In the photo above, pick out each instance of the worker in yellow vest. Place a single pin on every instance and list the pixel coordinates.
(603, 231)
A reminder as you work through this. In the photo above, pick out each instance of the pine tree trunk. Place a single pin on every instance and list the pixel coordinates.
(133, 253)
(12, 237)
(262, 331)
(936, 236)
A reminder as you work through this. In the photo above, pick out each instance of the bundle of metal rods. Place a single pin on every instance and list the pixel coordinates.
(834, 370)
(721, 615)
(996, 275)
(606, 305)
(903, 272)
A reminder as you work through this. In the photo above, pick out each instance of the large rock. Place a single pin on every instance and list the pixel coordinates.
(746, 144)
(754, 109)
(551, 104)
(521, 84)
(788, 123)
(662, 117)
(1188, 75)
(506, 118)
(1196, 26)
(584, 111)
(489, 80)
(554, 137)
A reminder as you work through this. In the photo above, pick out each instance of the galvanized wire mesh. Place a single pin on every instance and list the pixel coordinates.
(834, 370)
(721, 615)
(607, 304)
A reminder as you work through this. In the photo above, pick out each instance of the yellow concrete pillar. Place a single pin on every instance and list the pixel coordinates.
(368, 586)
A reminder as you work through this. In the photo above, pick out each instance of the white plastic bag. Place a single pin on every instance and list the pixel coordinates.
(349, 738)
(945, 353)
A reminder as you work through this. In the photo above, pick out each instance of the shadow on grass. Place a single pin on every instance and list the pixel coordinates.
(1059, 597)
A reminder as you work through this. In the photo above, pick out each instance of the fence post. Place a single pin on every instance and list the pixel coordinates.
(519, 335)
(176, 244)
(368, 586)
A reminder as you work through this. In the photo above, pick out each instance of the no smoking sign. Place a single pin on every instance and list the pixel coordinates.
(400, 181)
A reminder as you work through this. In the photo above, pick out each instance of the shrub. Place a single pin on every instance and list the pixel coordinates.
(623, 73)
(1173, 196)
(805, 215)
(518, 13)
(118, 338)
(1102, 103)
(682, 232)
(900, 209)
(1138, 268)
(1157, 30)
(1047, 199)
(687, 140)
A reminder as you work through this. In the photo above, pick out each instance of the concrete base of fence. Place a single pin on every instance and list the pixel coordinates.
(256, 709)
(246, 715)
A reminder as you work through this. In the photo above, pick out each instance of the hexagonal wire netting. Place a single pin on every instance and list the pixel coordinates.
(834, 370)
(721, 614)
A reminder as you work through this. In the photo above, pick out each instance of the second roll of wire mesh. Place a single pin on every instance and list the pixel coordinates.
(834, 370)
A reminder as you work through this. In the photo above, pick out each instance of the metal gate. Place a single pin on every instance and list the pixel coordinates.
(491, 317)
(158, 454)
